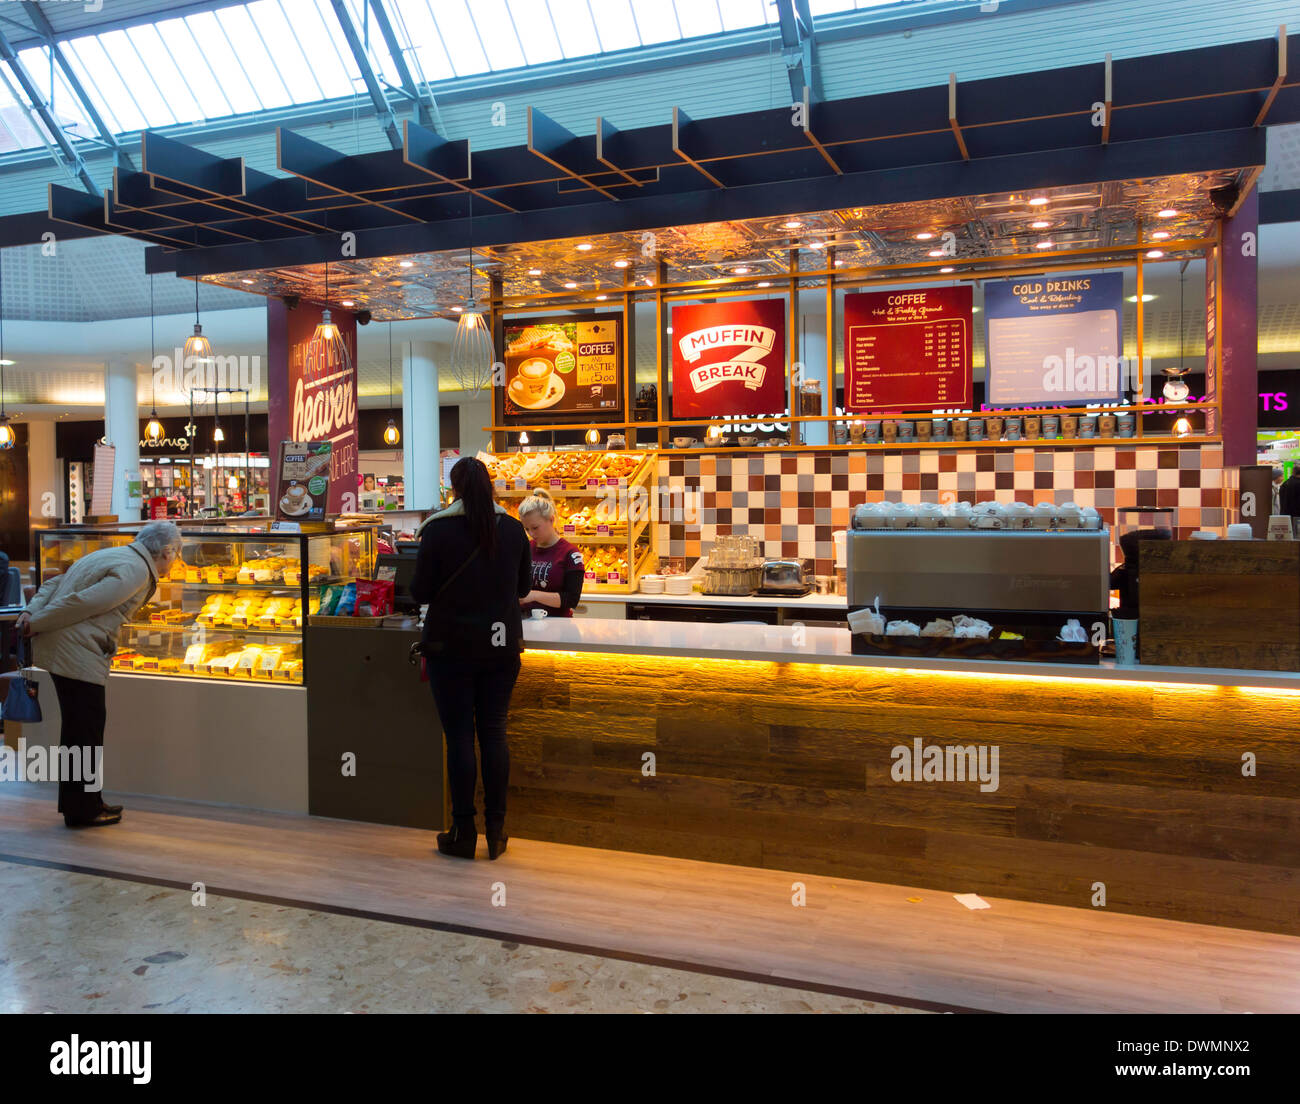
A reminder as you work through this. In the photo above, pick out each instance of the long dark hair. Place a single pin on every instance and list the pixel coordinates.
(473, 486)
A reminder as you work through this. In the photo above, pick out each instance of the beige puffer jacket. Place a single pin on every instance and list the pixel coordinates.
(76, 616)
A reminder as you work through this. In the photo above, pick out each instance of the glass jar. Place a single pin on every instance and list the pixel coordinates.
(810, 398)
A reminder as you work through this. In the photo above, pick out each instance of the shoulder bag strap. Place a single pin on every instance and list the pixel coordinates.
(456, 574)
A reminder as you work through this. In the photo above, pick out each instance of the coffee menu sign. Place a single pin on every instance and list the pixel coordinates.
(729, 358)
(908, 349)
(312, 394)
(304, 489)
(566, 365)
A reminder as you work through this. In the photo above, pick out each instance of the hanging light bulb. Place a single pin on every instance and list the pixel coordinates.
(523, 439)
(233, 482)
(593, 436)
(392, 435)
(471, 349)
(197, 347)
(154, 430)
(1182, 427)
(7, 435)
(218, 434)
(327, 352)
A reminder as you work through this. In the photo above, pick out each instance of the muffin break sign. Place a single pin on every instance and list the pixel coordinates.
(729, 358)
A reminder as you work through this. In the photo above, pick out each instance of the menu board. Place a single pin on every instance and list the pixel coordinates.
(908, 348)
(729, 358)
(563, 365)
(1054, 339)
(304, 480)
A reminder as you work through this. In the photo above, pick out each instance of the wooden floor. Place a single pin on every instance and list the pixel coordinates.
(909, 946)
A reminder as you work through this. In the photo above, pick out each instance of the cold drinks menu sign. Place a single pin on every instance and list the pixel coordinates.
(908, 349)
(729, 358)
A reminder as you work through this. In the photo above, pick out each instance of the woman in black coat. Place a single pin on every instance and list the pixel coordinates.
(473, 567)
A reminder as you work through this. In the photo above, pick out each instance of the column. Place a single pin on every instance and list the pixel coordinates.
(1239, 336)
(45, 490)
(420, 443)
(122, 429)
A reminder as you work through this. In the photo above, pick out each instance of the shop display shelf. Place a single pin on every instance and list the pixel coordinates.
(194, 627)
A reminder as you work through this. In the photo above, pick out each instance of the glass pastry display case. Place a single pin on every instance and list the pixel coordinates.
(234, 602)
(602, 503)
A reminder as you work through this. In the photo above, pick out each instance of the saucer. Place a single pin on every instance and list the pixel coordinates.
(303, 507)
(554, 393)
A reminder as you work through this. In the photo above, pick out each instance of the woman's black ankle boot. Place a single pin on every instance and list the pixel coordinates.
(460, 842)
(496, 840)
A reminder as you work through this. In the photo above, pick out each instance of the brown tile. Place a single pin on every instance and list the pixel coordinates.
(1104, 478)
(1084, 480)
(1167, 497)
(822, 464)
(911, 481)
(805, 515)
(1125, 459)
(1189, 477)
(929, 481)
(947, 462)
(822, 499)
(1168, 458)
(756, 483)
(789, 465)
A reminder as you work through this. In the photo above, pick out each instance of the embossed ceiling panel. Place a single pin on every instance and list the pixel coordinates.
(983, 229)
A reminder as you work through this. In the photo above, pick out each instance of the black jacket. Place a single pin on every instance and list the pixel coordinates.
(1288, 496)
(477, 615)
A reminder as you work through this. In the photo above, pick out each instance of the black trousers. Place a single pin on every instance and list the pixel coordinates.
(83, 714)
(474, 696)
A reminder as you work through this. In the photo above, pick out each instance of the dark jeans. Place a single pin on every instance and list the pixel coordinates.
(470, 695)
(82, 707)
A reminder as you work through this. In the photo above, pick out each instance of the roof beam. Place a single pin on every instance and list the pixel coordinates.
(383, 112)
(798, 47)
(43, 27)
(71, 156)
(427, 108)
(1279, 80)
(554, 144)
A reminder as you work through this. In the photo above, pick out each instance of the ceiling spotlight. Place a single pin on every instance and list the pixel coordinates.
(584, 246)
(622, 264)
(405, 264)
(534, 272)
(347, 302)
(741, 271)
(1154, 253)
(602, 297)
(765, 283)
(1044, 244)
(925, 235)
(946, 268)
(245, 280)
(1038, 201)
(936, 253)
(1160, 235)
(793, 224)
(458, 310)
(1041, 224)
(816, 245)
(570, 285)
(1167, 212)
(1145, 298)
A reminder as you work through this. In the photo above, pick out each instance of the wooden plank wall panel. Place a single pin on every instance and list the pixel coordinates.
(1221, 604)
(787, 766)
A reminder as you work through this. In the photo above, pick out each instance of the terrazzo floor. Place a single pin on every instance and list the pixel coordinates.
(73, 942)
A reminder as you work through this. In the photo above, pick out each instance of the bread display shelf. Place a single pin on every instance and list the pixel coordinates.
(139, 627)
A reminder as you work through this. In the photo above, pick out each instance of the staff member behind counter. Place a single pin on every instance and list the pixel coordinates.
(558, 569)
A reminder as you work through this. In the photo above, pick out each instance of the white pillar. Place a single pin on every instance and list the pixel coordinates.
(122, 429)
(816, 365)
(44, 486)
(420, 444)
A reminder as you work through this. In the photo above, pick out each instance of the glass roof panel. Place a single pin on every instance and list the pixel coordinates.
(193, 69)
(135, 76)
(496, 30)
(615, 25)
(276, 33)
(87, 82)
(460, 37)
(830, 7)
(739, 14)
(372, 38)
(211, 41)
(536, 31)
(573, 20)
(317, 31)
(254, 57)
(429, 55)
(103, 76)
(655, 21)
(698, 17)
(175, 89)
(63, 104)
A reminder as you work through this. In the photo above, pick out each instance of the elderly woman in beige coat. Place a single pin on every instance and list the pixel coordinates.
(75, 619)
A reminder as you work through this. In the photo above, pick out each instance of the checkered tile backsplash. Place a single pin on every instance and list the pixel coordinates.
(793, 503)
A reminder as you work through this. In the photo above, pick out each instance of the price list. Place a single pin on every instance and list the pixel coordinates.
(908, 349)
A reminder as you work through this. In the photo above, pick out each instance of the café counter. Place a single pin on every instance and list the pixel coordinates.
(1163, 791)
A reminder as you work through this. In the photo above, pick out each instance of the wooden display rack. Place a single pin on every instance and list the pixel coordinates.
(625, 536)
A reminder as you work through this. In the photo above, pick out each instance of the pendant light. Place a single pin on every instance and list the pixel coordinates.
(472, 352)
(1175, 389)
(7, 435)
(392, 435)
(197, 347)
(218, 434)
(154, 430)
(327, 352)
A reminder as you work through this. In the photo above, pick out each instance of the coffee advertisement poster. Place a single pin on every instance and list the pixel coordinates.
(729, 358)
(303, 493)
(565, 365)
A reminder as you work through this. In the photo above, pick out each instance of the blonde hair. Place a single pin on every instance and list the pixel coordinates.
(539, 502)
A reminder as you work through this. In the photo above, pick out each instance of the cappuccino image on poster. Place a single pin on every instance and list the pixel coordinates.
(304, 480)
(563, 365)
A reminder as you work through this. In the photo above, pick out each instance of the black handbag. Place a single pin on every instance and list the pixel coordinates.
(21, 703)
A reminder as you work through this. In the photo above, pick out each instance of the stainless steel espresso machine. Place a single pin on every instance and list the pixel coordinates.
(1025, 581)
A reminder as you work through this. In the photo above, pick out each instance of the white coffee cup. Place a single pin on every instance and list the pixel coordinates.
(538, 614)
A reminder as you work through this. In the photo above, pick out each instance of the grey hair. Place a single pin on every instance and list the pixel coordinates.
(1278, 473)
(158, 536)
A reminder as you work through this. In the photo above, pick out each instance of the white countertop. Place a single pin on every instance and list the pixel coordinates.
(767, 601)
(776, 644)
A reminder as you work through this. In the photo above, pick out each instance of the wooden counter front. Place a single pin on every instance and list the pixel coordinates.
(1131, 786)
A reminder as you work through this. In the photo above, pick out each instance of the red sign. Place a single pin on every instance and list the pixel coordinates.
(908, 348)
(312, 394)
(729, 358)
